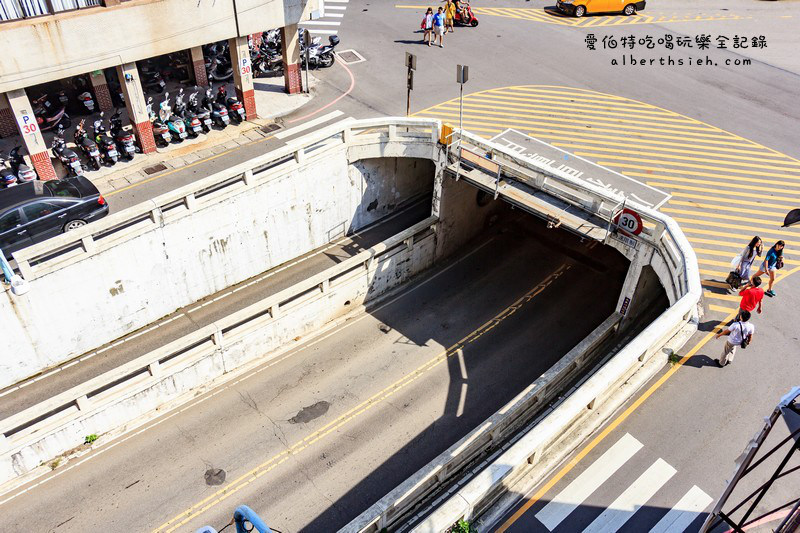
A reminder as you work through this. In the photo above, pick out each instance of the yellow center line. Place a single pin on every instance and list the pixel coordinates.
(244, 480)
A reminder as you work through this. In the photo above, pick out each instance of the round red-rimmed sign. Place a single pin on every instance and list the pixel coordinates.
(629, 221)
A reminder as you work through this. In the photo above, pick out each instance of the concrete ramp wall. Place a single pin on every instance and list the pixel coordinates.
(177, 251)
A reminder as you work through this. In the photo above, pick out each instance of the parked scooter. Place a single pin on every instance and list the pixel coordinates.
(69, 159)
(49, 115)
(266, 63)
(232, 103)
(193, 124)
(203, 114)
(153, 81)
(160, 131)
(219, 113)
(7, 176)
(220, 69)
(21, 169)
(87, 101)
(126, 143)
(106, 144)
(174, 123)
(87, 145)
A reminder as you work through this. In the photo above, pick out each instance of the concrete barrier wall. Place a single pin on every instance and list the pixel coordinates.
(192, 253)
(247, 336)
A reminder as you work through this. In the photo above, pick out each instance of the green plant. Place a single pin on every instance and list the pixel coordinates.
(674, 358)
(55, 463)
(90, 438)
(463, 526)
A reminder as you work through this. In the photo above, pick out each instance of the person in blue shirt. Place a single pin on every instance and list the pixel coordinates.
(772, 262)
(438, 27)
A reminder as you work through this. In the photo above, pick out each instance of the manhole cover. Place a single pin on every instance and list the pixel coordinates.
(269, 128)
(155, 168)
(350, 56)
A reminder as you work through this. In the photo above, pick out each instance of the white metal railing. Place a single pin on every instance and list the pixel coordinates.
(75, 245)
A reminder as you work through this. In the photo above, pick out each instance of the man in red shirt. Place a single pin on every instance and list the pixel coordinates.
(751, 295)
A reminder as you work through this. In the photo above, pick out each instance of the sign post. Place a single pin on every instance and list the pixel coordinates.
(411, 64)
(462, 75)
(307, 42)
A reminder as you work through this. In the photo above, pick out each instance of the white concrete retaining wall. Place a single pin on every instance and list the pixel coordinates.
(258, 332)
(192, 246)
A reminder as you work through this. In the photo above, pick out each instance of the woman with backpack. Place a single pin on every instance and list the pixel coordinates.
(772, 261)
(427, 25)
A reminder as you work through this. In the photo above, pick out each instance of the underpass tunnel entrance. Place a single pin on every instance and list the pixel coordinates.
(505, 300)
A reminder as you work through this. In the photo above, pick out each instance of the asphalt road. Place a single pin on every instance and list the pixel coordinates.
(738, 120)
(342, 420)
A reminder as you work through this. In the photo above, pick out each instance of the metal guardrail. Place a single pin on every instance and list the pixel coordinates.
(75, 245)
(107, 388)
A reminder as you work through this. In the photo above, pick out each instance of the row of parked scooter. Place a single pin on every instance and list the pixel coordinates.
(266, 57)
(106, 146)
(176, 123)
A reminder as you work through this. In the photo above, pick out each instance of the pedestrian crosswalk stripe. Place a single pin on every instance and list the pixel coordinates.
(728, 158)
(720, 296)
(749, 187)
(680, 517)
(736, 193)
(724, 186)
(734, 208)
(588, 481)
(632, 499)
(737, 200)
(728, 217)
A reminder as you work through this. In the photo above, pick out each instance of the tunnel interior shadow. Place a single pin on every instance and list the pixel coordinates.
(536, 292)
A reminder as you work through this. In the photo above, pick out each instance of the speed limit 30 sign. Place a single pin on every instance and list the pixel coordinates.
(629, 222)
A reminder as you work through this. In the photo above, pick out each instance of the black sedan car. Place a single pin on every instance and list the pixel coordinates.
(36, 211)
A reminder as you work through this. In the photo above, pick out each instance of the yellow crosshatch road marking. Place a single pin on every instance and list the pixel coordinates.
(725, 188)
(551, 16)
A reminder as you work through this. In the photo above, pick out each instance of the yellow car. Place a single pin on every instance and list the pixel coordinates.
(580, 7)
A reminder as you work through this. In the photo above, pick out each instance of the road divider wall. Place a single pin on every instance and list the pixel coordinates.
(133, 393)
(91, 286)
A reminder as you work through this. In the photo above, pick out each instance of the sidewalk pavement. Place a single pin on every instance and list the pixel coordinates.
(272, 103)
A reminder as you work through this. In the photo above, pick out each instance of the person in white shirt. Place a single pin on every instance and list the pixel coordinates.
(736, 332)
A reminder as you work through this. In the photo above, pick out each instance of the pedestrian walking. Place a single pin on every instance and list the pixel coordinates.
(427, 25)
(752, 296)
(772, 261)
(740, 333)
(746, 258)
(449, 15)
(438, 27)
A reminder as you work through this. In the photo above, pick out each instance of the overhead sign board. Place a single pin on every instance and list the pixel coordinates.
(577, 167)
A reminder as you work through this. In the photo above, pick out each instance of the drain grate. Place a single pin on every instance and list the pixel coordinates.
(269, 128)
(155, 168)
(350, 56)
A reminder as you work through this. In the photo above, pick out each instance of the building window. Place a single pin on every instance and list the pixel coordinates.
(20, 9)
